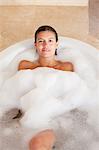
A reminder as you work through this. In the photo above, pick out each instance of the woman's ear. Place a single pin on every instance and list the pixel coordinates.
(35, 46)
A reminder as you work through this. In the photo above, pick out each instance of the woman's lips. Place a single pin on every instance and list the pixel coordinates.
(45, 50)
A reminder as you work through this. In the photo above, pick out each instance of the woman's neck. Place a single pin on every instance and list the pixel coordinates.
(45, 62)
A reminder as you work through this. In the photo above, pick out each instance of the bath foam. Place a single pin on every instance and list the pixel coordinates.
(53, 96)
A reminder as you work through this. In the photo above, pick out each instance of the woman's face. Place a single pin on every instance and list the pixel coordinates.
(46, 44)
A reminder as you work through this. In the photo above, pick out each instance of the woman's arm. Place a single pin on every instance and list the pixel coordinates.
(65, 66)
(24, 64)
(68, 66)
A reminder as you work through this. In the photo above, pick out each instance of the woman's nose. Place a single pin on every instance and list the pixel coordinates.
(45, 43)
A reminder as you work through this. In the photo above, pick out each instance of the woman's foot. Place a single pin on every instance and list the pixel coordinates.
(43, 141)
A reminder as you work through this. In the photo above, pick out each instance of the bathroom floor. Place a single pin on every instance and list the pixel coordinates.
(72, 132)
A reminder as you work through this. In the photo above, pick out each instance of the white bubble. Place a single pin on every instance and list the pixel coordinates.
(46, 95)
(7, 131)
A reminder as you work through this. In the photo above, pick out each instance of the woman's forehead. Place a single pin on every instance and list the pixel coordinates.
(46, 34)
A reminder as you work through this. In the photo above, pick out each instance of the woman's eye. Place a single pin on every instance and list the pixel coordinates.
(40, 41)
(50, 41)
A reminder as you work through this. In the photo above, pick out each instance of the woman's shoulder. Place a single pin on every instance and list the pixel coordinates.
(26, 64)
(66, 66)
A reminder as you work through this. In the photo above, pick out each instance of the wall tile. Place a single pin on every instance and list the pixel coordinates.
(20, 22)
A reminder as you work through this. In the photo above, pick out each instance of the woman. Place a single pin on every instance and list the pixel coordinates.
(46, 42)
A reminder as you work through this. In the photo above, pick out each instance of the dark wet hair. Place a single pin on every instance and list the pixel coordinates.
(46, 28)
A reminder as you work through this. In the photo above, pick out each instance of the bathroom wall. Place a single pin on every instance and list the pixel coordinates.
(19, 22)
(45, 2)
(94, 17)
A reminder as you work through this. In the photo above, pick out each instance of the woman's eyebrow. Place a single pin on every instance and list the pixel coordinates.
(40, 39)
(44, 39)
(51, 38)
